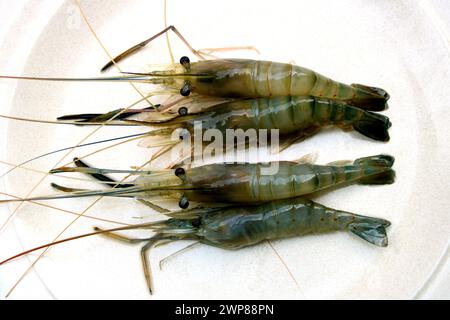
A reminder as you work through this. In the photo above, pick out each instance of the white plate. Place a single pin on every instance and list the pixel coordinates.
(391, 44)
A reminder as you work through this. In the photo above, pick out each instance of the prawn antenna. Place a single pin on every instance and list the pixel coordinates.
(74, 147)
(125, 78)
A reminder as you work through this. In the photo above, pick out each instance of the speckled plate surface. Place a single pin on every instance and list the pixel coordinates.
(397, 45)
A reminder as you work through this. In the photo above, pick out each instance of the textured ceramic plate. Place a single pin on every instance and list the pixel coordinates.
(391, 44)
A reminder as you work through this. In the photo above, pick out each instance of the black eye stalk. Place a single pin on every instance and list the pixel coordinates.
(186, 89)
(183, 111)
(184, 203)
(180, 172)
(186, 63)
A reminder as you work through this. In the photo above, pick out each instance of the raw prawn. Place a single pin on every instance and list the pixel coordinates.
(244, 78)
(234, 183)
(296, 118)
(236, 227)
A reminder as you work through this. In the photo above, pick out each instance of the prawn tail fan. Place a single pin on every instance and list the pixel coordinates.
(374, 126)
(370, 98)
(377, 169)
(370, 229)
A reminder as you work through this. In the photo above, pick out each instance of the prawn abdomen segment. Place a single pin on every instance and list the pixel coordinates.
(294, 180)
(295, 116)
(305, 81)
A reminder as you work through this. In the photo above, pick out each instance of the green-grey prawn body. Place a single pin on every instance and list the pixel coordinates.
(255, 183)
(235, 183)
(294, 116)
(238, 227)
(247, 78)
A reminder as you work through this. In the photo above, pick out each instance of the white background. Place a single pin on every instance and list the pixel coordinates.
(427, 23)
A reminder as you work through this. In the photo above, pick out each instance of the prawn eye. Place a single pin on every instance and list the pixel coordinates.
(184, 203)
(185, 60)
(186, 90)
(180, 172)
(183, 111)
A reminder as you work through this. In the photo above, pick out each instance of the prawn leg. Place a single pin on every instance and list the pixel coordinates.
(208, 51)
(145, 263)
(296, 137)
(119, 237)
(153, 206)
(176, 253)
(151, 242)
